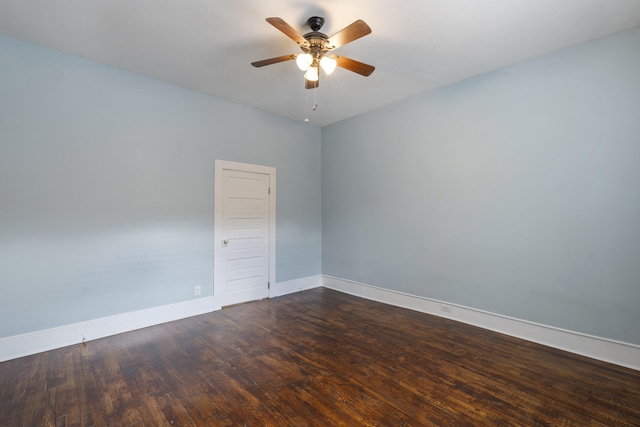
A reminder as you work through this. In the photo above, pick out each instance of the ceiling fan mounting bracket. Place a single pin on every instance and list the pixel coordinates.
(315, 23)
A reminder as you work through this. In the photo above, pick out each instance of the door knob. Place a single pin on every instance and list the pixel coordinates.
(225, 242)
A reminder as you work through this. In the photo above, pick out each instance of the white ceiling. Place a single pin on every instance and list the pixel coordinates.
(416, 45)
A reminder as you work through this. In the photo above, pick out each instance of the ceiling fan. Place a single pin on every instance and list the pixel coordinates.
(316, 48)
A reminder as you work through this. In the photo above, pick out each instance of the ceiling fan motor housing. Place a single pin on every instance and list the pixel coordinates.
(317, 40)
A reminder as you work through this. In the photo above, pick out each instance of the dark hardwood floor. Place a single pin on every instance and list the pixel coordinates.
(316, 358)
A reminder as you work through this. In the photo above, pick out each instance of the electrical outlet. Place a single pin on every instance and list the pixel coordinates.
(198, 290)
(446, 308)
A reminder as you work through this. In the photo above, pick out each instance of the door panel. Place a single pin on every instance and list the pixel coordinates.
(246, 229)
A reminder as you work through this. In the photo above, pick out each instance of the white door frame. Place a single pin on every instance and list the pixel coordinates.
(219, 279)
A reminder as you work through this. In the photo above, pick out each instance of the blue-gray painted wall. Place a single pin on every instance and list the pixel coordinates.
(515, 192)
(106, 188)
(512, 192)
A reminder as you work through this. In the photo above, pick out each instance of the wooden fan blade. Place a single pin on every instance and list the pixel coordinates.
(355, 66)
(288, 30)
(308, 84)
(348, 34)
(273, 60)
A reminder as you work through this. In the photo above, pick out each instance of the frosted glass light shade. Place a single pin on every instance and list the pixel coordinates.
(328, 64)
(303, 61)
(312, 74)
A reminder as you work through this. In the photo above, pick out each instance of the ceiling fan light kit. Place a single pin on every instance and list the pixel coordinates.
(316, 48)
(304, 61)
(312, 74)
(328, 64)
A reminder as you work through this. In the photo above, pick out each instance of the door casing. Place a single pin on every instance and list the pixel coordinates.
(219, 255)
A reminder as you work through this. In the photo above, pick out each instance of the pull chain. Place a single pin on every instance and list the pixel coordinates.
(306, 103)
(306, 107)
(315, 98)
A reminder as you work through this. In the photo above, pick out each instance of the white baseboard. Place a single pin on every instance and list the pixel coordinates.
(296, 285)
(616, 352)
(49, 339)
(62, 336)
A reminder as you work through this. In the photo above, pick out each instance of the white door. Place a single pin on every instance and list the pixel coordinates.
(244, 233)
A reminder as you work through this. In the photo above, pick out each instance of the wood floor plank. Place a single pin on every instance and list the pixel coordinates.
(315, 358)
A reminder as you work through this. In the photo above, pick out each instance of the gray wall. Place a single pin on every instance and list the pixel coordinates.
(515, 192)
(106, 188)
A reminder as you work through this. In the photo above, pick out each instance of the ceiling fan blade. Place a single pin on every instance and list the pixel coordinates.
(288, 30)
(348, 34)
(273, 60)
(308, 84)
(355, 66)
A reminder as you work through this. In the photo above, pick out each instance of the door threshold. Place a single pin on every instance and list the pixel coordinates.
(224, 307)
